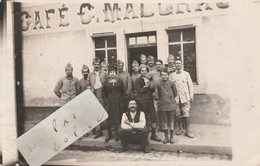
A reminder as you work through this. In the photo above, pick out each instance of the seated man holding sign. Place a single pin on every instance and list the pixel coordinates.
(133, 127)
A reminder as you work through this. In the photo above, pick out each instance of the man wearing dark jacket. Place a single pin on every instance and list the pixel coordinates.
(133, 128)
(143, 91)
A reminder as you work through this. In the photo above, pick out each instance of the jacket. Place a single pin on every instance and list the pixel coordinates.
(184, 86)
(167, 92)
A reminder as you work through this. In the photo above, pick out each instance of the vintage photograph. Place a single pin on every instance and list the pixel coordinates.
(92, 82)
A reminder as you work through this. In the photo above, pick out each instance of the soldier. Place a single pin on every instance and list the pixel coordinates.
(104, 67)
(184, 87)
(125, 77)
(83, 81)
(143, 59)
(156, 80)
(67, 87)
(135, 75)
(170, 66)
(95, 82)
(151, 63)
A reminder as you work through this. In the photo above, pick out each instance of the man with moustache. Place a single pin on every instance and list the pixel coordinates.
(184, 98)
(156, 81)
(125, 77)
(67, 87)
(151, 63)
(133, 128)
(83, 81)
(95, 82)
(104, 67)
(170, 66)
(135, 74)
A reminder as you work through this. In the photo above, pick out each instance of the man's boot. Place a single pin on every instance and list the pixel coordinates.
(144, 147)
(109, 134)
(180, 131)
(171, 137)
(116, 135)
(125, 147)
(188, 132)
(154, 136)
(100, 134)
(166, 139)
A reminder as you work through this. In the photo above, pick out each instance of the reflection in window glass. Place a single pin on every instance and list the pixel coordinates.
(189, 52)
(189, 34)
(175, 50)
(112, 57)
(175, 36)
(99, 43)
(101, 54)
(111, 41)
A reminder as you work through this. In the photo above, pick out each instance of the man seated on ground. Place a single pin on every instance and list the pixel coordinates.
(133, 128)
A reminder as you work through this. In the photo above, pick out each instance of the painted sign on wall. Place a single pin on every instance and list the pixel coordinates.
(41, 18)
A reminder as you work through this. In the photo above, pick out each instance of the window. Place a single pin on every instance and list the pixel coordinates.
(182, 42)
(105, 49)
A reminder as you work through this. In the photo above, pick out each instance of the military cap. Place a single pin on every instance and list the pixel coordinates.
(135, 64)
(68, 66)
(119, 62)
(85, 67)
(150, 57)
(178, 58)
(104, 63)
(143, 56)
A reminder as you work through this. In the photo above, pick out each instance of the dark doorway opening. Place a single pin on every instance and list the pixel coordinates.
(135, 53)
(140, 43)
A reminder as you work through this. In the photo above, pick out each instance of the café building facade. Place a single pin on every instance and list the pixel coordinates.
(60, 33)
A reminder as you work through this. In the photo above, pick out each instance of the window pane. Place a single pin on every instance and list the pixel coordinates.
(189, 34)
(111, 41)
(175, 36)
(112, 57)
(132, 40)
(142, 40)
(189, 53)
(175, 50)
(101, 55)
(99, 42)
(152, 39)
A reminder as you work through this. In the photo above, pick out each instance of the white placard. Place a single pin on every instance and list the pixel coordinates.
(62, 128)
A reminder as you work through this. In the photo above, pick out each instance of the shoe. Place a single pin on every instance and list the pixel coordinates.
(124, 149)
(108, 138)
(171, 137)
(155, 138)
(179, 132)
(189, 134)
(145, 150)
(100, 134)
(166, 139)
(116, 138)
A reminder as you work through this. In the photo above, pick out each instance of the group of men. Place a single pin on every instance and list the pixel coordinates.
(141, 113)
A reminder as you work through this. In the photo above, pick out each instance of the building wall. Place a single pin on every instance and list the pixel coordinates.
(48, 50)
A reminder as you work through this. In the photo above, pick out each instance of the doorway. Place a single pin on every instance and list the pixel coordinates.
(140, 43)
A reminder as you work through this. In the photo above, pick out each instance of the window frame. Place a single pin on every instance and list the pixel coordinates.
(106, 48)
(181, 43)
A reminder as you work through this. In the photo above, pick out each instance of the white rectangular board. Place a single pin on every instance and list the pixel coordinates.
(61, 128)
